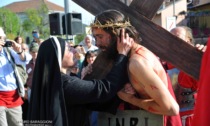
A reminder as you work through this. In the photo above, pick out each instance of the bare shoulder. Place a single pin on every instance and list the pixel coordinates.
(138, 64)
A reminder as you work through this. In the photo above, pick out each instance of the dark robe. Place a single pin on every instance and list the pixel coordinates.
(63, 99)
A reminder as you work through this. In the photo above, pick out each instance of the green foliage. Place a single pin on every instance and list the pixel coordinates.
(33, 17)
(43, 9)
(27, 25)
(37, 20)
(79, 38)
(10, 23)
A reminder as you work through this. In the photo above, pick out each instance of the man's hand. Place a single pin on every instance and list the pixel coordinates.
(16, 47)
(201, 47)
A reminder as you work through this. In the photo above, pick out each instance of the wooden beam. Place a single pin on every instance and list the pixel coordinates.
(158, 40)
(148, 9)
(101, 66)
(167, 46)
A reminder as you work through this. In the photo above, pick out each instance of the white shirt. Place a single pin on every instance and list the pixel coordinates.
(92, 48)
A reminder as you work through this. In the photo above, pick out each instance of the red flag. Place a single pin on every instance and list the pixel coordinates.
(202, 107)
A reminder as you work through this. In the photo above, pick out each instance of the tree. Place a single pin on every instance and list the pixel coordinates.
(79, 38)
(38, 20)
(10, 23)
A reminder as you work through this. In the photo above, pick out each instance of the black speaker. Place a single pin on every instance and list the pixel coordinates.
(74, 23)
(55, 20)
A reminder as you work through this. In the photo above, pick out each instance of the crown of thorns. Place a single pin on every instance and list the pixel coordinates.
(110, 24)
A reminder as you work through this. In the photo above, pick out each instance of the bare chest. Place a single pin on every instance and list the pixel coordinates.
(139, 87)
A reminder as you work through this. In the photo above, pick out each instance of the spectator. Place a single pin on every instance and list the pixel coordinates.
(10, 101)
(71, 44)
(34, 47)
(90, 57)
(36, 37)
(79, 56)
(25, 47)
(186, 87)
(19, 40)
(88, 44)
(29, 69)
(74, 70)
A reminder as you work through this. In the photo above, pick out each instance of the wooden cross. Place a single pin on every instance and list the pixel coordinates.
(161, 42)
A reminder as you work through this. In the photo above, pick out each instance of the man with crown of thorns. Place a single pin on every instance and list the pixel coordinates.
(148, 79)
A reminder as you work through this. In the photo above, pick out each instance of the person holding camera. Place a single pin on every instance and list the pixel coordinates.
(10, 101)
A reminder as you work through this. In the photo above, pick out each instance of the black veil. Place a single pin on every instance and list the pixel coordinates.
(47, 102)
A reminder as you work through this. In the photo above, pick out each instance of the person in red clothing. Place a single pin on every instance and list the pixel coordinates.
(186, 87)
(202, 107)
(34, 47)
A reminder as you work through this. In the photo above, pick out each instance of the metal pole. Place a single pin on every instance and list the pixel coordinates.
(66, 6)
(173, 7)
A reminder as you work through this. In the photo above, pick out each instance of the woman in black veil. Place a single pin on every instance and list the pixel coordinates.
(61, 100)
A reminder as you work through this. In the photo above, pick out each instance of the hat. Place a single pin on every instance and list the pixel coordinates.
(2, 32)
(34, 47)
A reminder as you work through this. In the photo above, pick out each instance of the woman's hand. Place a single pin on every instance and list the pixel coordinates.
(127, 92)
(125, 96)
(86, 70)
(124, 43)
(128, 88)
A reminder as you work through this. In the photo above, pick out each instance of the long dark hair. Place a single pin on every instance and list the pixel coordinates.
(113, 17)
(89, 54)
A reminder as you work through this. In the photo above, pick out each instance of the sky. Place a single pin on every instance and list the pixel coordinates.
(87, 18)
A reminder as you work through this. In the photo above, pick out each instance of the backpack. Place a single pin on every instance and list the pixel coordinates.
(20, 73)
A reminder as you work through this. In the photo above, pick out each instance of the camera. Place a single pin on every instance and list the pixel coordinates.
(8, 44)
